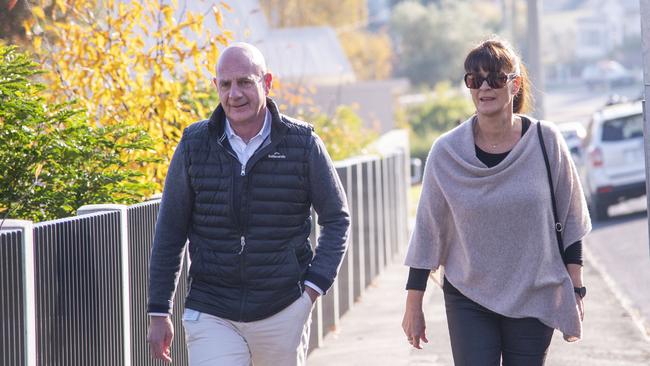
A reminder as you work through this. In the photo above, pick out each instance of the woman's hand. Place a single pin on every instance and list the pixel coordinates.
(581, 307)
(413, 323)
(575, 272)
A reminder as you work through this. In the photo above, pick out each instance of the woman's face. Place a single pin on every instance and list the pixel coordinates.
(490, 99)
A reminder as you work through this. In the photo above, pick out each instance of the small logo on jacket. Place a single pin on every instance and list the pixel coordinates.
(277, 155)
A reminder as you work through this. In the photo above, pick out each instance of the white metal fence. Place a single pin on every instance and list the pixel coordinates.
(74, 291)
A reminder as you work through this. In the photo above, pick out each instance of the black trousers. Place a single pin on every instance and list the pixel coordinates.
(481, 337)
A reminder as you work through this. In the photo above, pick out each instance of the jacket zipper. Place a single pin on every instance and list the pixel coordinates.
(242, 259)
(242, 253)
(243, 244)
(242, 249)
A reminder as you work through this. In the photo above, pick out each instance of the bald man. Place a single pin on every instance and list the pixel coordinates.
(239, 190)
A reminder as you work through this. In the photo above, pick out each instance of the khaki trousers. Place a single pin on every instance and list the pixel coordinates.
(279, 340)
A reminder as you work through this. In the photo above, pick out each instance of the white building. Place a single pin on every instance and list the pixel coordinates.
(582, 32)
(292, 54)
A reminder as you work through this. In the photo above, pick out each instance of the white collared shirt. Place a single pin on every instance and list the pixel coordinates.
(245, 150)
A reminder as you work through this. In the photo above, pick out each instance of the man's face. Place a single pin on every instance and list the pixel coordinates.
(242, 88)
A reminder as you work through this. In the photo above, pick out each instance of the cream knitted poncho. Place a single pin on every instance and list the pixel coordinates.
(492, 229)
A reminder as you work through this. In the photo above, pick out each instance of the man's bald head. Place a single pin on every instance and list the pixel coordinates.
(243, 52)
(243, 85)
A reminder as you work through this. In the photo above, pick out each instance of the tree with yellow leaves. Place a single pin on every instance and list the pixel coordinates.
(370, 54)
(142, 63)
(297, 13)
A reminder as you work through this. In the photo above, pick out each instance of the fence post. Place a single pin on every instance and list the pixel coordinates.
(124, 249)
(366, 223)
(29, 306)
(355, 196)
(378, 188)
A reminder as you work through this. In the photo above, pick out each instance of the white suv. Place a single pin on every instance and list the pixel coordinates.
(614, 165)
(574, 134)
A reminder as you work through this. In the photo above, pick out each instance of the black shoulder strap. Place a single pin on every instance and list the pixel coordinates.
(558, 224)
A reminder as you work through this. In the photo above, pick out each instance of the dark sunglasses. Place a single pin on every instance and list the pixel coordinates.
(494, 80)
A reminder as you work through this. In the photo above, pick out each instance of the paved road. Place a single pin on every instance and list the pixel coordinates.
(577, 103)
(370, 334)
(620, 246)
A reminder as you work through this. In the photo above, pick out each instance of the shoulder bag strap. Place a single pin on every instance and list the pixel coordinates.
(558, 224)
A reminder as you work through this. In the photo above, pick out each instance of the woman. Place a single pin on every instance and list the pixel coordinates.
(485, 215)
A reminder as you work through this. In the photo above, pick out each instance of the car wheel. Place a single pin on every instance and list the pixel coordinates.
(598, 208)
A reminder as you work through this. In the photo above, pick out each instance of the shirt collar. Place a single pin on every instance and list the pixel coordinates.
(264, 131)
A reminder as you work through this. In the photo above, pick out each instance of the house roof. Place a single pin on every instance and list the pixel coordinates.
(313, 54)
(310, 53)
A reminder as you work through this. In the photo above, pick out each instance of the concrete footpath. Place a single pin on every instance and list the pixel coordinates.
(370, 333)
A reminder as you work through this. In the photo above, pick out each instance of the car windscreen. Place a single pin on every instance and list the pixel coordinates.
(623, 128)
(569, 134)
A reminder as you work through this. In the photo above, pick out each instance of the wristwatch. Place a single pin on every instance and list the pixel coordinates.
(581, 291)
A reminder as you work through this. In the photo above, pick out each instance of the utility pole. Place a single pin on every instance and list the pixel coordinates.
(534, 60)
(645, 46)
(507, 19)
(514, 14)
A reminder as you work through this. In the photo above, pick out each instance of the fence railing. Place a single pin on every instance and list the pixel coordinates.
(142, 220)
(79, 290)
(74, 291)
(12, 299)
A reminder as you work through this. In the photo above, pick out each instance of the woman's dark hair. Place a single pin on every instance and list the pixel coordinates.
(495, 55)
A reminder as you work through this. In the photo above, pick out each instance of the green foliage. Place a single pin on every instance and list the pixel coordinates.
(52, 161)
(444, 110)
(343, 134)
(432, 40)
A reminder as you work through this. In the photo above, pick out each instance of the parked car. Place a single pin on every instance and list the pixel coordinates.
(614, 166)
(574, 134)
(607, 73)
